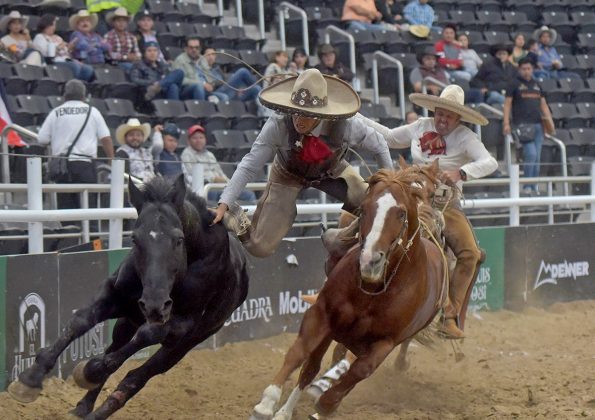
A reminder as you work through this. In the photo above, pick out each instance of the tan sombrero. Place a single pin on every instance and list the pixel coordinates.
(132, 124)
(312, 94)
(420, 31)
(553, 34)
(452, 99)
(120, 12)
(81, 14)
(14, 15)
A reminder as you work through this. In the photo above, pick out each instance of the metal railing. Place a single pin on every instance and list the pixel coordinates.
(261, 24)
(4, 147)
(401, 79)
(340, 32)
(283, 11)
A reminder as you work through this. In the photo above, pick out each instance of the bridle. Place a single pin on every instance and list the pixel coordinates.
(398, 242)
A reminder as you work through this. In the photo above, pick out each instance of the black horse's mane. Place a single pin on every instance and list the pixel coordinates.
(160, 190)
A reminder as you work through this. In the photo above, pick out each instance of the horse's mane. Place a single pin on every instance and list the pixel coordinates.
(159, 190)
(404, 178)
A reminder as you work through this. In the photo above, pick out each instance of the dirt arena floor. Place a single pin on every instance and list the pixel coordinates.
(538, 364)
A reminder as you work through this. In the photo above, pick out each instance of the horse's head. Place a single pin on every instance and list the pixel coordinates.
(159, 250)
(388, 220)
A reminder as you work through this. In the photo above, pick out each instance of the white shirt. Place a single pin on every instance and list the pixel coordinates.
(63, 124)
(464, 150)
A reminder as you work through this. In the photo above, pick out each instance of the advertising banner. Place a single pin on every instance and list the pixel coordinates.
(515, 268)
(32, 307)
(3, 372)
(560, 261)
(488, 291)
(80, 277)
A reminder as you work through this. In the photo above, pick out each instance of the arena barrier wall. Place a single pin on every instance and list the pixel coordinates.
(38, 293)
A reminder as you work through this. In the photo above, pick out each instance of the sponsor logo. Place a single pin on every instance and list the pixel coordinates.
(289, 304)
(257, 308)
(31, 333)
(480, 289)
(90, 344)
(551, 273)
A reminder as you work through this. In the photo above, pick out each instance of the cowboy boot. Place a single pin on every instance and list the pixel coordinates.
(236, 221)
(450, 329)
(338, 241)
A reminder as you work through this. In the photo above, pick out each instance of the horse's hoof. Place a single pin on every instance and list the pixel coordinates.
(80, 411)
(256, 415)
(325, 409)
(23, 393)
(282, 415)
(79, 377)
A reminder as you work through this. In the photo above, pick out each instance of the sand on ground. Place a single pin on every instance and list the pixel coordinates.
(535, 364)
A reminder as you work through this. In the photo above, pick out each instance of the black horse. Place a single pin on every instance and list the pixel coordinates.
(178, 285)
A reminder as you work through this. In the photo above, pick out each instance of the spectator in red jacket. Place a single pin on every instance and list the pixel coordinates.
(449, 54)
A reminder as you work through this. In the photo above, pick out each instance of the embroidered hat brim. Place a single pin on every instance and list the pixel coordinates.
(122, 130)
(431, 102)
(341, 100)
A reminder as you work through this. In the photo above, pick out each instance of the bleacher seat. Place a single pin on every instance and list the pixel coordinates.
(228, 142)
(561, 112)
(111, 82)
(201, 109)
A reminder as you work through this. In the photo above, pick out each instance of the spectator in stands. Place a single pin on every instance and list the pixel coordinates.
(330, 65)
(307, 142)
(56, 51)
(132, 137)
(495, 75)
(170, 164)
(124, 49)
(524, 108)
(391, 11)
(196, 152)
(428, 67)
(194, 85)
(279, 66)
(104, 7)
(471, 61)
(448, 50)
(518, 50)
(360, 15)
(548, 57)
(411, 117)
(60, 130)
(299, 61)
(89, 47)
(241, 84)
(144, 31)
(155, 76)
(17, 40)
(419, 12)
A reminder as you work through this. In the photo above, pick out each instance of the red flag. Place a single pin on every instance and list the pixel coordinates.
(13, 138)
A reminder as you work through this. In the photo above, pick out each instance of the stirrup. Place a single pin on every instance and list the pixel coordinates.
(236, 221)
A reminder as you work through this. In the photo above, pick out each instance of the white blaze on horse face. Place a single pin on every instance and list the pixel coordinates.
(154, 234)
(385, 203)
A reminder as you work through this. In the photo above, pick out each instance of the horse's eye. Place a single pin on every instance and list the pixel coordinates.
(179, 241)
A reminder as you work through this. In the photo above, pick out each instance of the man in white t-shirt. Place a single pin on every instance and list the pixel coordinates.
(60, 129)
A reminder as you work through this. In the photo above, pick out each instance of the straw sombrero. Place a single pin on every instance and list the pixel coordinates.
(312, 94)
(132, 124)
(452, 99)
(119, 12)
(14, 15)
(73, 21)
(420, 31)
(553, 34)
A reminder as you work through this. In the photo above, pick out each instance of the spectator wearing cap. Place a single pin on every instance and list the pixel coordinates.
(428, 67)
(18, 40)
(471, 60)
(156, 77)
(330, 65)
(241, 84)
(124, 47)
(495, 75)
(196, 152)
(144, 31)
(448, 50)
(56, 51)
(549, 60)
(139, 159)
(89, 46)
(360, 15)
(169, 164)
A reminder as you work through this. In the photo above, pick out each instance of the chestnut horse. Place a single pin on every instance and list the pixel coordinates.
(381, 293)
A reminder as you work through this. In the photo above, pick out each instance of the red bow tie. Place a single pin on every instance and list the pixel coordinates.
(433, 142)
(314, 150)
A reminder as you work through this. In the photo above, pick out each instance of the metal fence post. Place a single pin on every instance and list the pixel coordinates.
(593, 190)
(116, 202)
(35, 202)
(514, 194)
(198, 179)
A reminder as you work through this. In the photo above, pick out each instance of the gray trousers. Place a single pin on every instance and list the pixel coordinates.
(276, 209)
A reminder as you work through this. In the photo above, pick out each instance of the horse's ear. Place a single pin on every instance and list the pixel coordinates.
(402, 162)
(136, 196)
(179, 192)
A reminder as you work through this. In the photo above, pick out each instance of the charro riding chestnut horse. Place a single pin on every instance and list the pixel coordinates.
(381, 293)
(181, 280)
